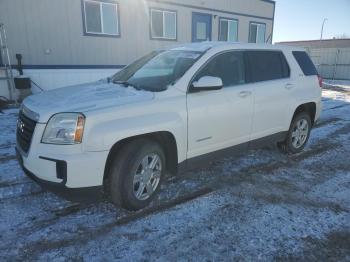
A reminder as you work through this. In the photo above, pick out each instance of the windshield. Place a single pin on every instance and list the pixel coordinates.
(157, 70)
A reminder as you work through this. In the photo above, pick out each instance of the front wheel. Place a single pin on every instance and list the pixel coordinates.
(136, 174)
(298, 134)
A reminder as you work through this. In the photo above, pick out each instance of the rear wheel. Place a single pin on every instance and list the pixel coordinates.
(298, 134)
(136, 174)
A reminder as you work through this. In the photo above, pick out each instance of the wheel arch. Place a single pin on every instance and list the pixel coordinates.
(164, 138)
(309, 108)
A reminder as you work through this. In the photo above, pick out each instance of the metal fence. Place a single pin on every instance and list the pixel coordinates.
(332, 63)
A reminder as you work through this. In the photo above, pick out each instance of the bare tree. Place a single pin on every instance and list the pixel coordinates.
(341, 36)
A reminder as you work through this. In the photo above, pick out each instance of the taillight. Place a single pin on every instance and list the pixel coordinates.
(320, 80)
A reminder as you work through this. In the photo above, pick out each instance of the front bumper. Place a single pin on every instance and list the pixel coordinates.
(67, 170)
(84, 194)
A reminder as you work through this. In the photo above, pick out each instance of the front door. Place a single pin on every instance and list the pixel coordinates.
(201, 27)
(222, 118)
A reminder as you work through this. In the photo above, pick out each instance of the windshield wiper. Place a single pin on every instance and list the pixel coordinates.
(127, 84)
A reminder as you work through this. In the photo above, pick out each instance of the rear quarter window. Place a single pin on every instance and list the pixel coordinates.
(266, 65)
(305, 63)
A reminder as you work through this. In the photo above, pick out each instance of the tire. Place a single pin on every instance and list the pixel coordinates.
(129, 173)
(290, 145)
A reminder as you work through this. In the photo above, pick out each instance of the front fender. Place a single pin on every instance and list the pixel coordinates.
(102, 136)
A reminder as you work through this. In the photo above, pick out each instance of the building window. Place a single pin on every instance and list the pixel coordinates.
(101, 18)
(257, 33)
(163, 24)
(228, 30)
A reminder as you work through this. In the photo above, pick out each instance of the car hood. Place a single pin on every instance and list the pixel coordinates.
(83, 98)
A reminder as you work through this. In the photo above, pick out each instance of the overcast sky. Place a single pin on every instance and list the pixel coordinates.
(302, 19)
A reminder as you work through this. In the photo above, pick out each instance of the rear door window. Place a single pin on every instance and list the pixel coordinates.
(266, 65)
(229, 66)
(305, 63)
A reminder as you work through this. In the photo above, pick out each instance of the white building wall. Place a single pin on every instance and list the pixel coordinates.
(48, 79)
(48, 32)
(51, 32)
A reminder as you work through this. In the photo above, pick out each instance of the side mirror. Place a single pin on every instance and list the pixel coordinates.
(207, 83)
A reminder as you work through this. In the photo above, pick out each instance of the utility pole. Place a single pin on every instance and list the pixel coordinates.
(324, 21)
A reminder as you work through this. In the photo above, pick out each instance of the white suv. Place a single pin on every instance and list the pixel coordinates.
(171, 109)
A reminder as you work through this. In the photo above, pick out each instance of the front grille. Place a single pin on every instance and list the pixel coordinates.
(25, 130)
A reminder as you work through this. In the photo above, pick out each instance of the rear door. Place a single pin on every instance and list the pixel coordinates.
(269, 74)
(222, 118)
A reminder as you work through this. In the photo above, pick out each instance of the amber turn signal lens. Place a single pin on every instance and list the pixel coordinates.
(80, 129)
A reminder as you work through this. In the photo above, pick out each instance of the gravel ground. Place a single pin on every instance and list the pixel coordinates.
(262, 205)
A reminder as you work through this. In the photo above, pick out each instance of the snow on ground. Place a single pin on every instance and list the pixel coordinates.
(337, 83)
(262, 205)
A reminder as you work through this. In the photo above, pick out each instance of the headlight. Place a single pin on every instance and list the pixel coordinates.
(64, 129)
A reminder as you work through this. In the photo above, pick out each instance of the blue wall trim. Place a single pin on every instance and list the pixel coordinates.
(203, 17)
(214, 10)
(70, 66)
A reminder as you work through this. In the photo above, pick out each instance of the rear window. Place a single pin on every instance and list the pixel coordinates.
(266, 65)
(305, 63)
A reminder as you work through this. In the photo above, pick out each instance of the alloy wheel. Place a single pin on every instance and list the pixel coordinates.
(147, 176)
(300, 133)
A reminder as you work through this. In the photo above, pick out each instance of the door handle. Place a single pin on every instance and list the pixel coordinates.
(289, 86)
(244, 94)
